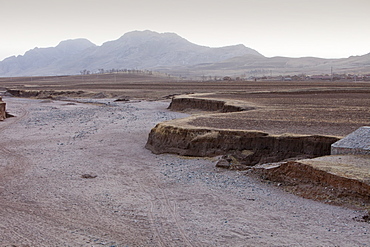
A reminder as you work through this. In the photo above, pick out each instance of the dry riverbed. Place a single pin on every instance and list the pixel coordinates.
(77, 174)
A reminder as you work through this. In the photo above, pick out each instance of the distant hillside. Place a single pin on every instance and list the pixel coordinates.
(45, 61)
(169, 53)
(134, 50)
(250, 65)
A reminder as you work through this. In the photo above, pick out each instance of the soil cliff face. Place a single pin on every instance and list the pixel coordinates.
(195, 101)
(42, 94)
(2, 110)
(247, 146)
(295, 171)
(250, 147)
(327, 182)
(340, 180)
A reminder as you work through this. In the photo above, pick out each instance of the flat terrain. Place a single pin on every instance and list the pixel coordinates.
(152, 87)
(77, 174)
(311, 111)
(298, 107)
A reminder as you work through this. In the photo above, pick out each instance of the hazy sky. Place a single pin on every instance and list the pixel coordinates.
(296, 28)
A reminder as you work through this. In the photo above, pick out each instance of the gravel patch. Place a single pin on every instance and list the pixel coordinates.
(79, 175)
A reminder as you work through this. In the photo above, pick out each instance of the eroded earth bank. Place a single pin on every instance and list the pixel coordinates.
(250, 134)
(77, 174)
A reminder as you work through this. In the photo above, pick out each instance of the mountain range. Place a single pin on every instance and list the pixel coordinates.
(168, 53)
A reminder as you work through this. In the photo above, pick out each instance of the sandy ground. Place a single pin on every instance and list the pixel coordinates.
(74, 174)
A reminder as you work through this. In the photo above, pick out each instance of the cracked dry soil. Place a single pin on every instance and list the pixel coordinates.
(136, 198)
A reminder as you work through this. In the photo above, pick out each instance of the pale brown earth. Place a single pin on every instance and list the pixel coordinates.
(138, 198)
(334, 179)
(329, 111)
(77, 174)
(2, 109)
(291, 125)
(158, 87)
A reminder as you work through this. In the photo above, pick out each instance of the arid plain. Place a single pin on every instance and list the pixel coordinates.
(75, 171)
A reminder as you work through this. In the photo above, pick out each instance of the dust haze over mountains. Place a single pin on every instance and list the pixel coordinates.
(168, 53)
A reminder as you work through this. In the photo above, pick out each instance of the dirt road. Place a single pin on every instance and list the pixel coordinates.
(74, 174)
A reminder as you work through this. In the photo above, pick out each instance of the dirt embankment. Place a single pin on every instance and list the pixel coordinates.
(44, 94)
(195, 101)
(248, 147)
(294, 171)
(330, 180)
(341, 180)
(2, 109)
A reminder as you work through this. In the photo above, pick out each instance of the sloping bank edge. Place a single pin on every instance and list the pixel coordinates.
(251, 147)
(248, 146)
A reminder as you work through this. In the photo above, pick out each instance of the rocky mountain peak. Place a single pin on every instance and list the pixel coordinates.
(164, 52)
(75, 44)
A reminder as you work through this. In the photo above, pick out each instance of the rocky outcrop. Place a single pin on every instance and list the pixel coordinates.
(2, 110)
(250, 147)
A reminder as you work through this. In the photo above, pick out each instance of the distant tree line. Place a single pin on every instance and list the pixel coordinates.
(111, 71)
